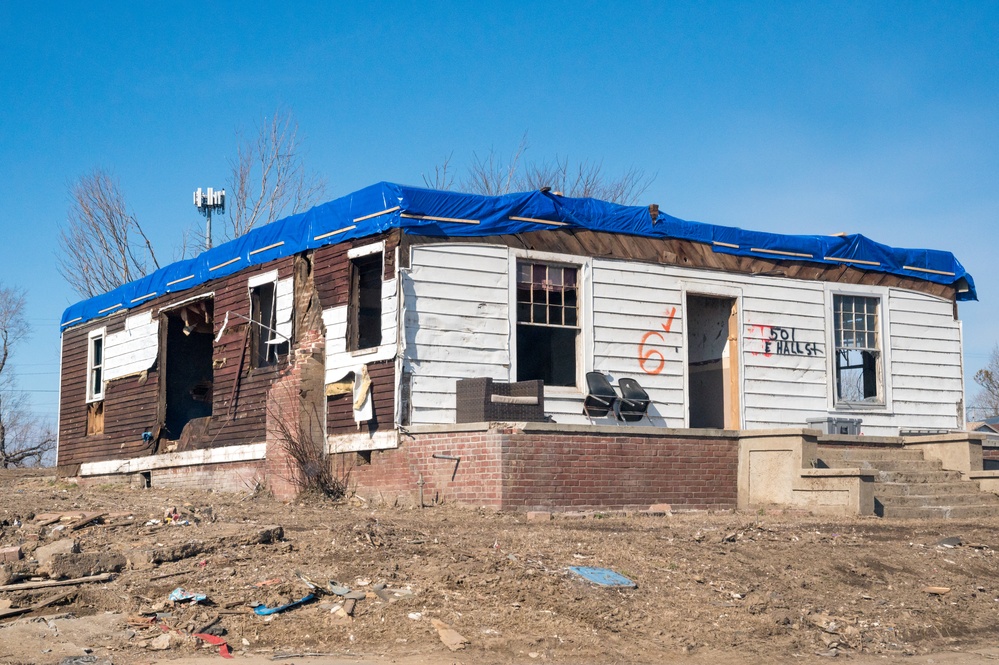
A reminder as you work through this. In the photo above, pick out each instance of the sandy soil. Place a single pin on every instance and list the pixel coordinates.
(712, 587)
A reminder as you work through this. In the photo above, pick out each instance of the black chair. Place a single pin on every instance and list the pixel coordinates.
(601, 397)
(634, 402)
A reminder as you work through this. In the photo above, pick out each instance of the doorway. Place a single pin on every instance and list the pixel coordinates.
(187, 376)
(713, 362)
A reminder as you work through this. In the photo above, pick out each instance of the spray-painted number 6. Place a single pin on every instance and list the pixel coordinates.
(647, 355)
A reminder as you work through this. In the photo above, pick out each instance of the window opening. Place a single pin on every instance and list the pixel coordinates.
(547, 323)
(266, 345)
(95, 371)
(858, 349)
(365, 302)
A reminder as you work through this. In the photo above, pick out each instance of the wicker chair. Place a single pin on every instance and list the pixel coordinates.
(484, 400)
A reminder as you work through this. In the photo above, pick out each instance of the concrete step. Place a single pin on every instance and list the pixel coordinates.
(870, 454)
(917, 476)
(938, 512)
(891, 490)
(921, 500)
(887, 464)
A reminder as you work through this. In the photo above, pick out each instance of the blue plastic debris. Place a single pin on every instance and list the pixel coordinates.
(178, 595)
(603, 576)
(263, 610)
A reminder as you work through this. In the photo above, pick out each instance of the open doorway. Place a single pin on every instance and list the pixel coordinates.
(713, 362)
(187, 368)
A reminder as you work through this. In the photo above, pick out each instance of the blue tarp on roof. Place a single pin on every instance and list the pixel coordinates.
(417, 211)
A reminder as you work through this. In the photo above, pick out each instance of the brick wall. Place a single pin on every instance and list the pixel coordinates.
(512, 469)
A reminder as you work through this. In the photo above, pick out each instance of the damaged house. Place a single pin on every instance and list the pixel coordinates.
(528, 350)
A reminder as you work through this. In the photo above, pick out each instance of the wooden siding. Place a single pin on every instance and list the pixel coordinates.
(341, 407)
(687, 254)
(129, 408)
(456, 312)
(239, 391)
(331, 266)
(457, 324)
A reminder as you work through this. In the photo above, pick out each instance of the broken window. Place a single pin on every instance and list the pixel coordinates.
(268, 346)
(95, 366)
(547, 323)
(365, 322)
(858, 349)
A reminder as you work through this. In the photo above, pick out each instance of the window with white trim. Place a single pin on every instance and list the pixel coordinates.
(857, 329)
(95, 366)
(548, 330)
(268, 346)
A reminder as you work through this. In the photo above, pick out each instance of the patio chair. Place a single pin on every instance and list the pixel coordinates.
(601, 397)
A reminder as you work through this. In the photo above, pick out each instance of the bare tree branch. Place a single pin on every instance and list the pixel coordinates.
(24, 439)
(102, 245)
(492, 175)
(985, 403)
(268, 178)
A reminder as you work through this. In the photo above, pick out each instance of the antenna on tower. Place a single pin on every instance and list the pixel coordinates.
(208, 202)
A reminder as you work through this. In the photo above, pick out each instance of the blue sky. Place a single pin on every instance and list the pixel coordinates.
(879, 118)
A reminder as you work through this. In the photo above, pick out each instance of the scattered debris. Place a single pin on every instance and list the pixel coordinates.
(603, 577)
(936, 590)
(23, 586)
(451, 638)
(263, 610)
(952, 542)
(179, 595)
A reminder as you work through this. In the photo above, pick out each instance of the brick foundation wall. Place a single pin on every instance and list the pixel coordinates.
(511, 469)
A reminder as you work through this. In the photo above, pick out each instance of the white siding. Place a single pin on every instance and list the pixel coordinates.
(340, 361)
(925, 365)
(456, 322)
(632, 302)
(134, 349)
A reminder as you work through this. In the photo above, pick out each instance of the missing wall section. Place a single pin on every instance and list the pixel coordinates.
(187, 377)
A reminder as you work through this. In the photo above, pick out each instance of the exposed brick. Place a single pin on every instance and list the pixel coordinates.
(10, 554)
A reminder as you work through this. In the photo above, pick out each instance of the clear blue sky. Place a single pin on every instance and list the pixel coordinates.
(873, 117)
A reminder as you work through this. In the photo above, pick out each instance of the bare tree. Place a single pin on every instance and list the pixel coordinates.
(495, 175)
(102, 245)
(24, 439)
(269, 179)
(985, 403)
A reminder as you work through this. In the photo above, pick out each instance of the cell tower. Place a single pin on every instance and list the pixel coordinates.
(208, 202)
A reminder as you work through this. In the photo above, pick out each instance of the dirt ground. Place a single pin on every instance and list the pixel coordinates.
(712, 587)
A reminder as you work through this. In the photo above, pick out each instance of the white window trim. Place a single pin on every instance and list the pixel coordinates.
(584, 357)
(884, 328)
(271, 276)
(95, 334)
(373, 248)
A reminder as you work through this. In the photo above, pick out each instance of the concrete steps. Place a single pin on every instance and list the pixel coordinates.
(906, 486)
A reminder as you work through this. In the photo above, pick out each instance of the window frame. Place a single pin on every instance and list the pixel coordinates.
(92, 395)
(584, 309)
(257, 332)
(365, 254)
(883, 361)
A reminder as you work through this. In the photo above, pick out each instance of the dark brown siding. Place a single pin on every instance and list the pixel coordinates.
(332, 276)
(238, 395)
(341, 407)
(129, 408)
